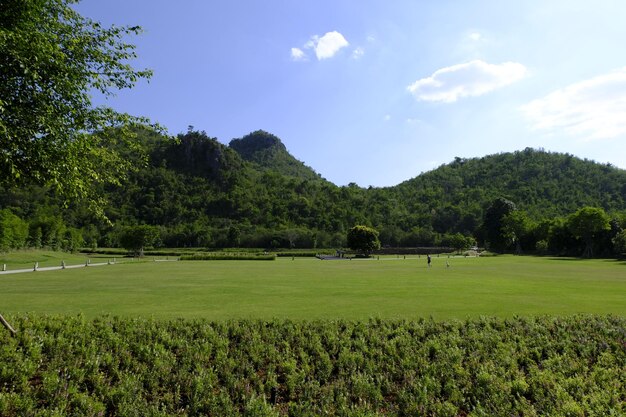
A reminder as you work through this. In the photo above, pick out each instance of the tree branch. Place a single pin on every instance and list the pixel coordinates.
(7, 325)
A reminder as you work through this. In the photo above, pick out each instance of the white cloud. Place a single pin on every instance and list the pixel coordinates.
(358, 53)
(325, 47)
(594, 108)
(475, 36)
(298, 55)
(328, 45)
(312, 42)
(387, 117)
(474, 78)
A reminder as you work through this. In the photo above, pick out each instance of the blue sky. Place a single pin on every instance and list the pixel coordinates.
(377, 91)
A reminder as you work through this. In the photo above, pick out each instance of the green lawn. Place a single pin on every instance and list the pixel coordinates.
(307, 288)
(26, 258)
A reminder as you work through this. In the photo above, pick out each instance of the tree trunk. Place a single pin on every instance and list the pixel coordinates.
(7, 325)
(588, 253)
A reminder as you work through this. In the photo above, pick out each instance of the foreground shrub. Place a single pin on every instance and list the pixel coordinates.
(111, 366)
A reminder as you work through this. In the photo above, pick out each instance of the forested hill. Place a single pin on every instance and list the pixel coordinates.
(542, 183)
(199, 192)
(267, 152)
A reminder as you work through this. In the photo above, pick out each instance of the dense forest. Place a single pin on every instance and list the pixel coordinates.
(193, 191)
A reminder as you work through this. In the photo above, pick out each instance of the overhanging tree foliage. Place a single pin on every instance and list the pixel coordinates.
(51, 58)
(50, 133)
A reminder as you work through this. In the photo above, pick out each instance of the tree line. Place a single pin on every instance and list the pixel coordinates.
(193, 191)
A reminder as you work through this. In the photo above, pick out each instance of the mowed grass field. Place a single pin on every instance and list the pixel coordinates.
(309, 289)
(26, 258)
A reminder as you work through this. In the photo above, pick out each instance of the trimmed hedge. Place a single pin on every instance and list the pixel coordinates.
(228, 257)
(304, 253)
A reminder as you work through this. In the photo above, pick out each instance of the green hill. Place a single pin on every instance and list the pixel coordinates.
(543, 183)
(267, 152)
(199, 192)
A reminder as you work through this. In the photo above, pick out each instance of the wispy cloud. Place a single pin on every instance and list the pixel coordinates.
(325, 46)
(298, 54)
(593, 109)
(474, 78)
(358, 53)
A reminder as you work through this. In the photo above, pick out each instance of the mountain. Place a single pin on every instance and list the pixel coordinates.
(267, 152)
(543, 183)
(196, 155)
(200, 192)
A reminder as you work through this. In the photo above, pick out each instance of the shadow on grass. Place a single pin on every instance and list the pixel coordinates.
(566, 259)
(570, 259)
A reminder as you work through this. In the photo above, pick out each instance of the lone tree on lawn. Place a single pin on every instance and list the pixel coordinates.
(137, 238)
(363, 239)
(493, 224)
(587, 224)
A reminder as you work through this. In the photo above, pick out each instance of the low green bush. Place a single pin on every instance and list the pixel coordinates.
(487, 366)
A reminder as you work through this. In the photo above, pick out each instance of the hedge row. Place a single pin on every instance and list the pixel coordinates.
(304, 253)
(228, 257)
